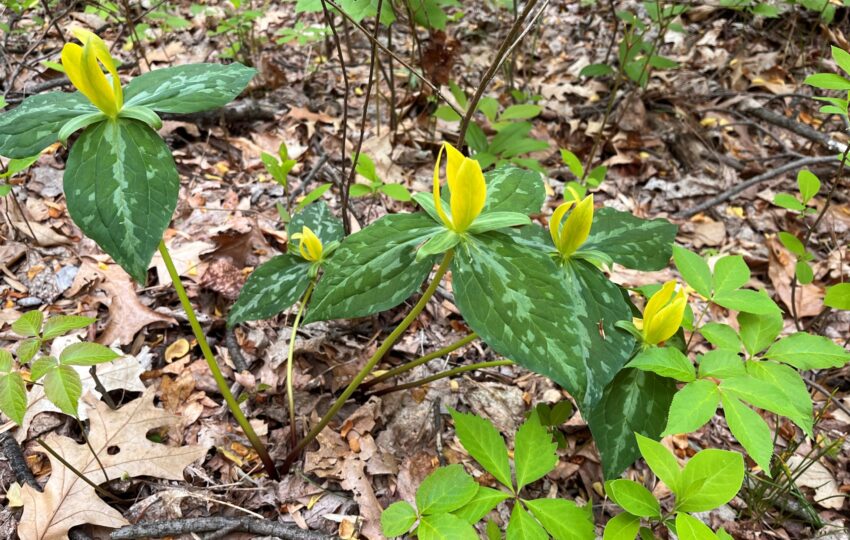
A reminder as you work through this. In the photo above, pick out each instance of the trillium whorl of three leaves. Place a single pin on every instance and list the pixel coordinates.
(121, 186)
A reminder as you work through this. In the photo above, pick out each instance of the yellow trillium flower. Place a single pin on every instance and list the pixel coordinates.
(663, 314)
(83, 67)
(309, 244)
(468, 189)
(569, 237)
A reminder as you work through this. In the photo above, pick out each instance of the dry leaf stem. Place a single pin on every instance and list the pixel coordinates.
(442, 375)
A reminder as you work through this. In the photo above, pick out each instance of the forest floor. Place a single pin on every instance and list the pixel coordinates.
(692, 134)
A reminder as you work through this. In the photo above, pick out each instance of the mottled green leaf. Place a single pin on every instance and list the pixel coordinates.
(63, 388)
(635, 243)
(189, 88)
(562, 519)
(485, 500)
(445, 490)
(807, 351)
(319, 218)
(750, 429)
(693, 406)
(13, 397)
(534, 452)
(271, 288)
(397, 519)
(34, 125)
(759, 331)
(511, 189)
(374, 269)
(710, 479)
(121, 186)
(86, 354)
(58, 325)
(665, 361)
(634, 402)
(485, 444)
(633, 498)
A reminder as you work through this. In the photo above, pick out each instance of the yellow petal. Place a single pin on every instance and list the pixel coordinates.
(667, 321)
(72, 61)
(84, 64)
(577, 227)
(309, 244)
(454, 159)
(438, 202)
(658, 301)
(555, 222)
(469, 192)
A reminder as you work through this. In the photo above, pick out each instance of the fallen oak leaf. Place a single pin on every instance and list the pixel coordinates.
(127, 314)
(118, 438)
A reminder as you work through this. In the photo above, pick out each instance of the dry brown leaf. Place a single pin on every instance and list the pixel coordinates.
(127, 314)
(819, 478)
(186, 258)
(809, 298)
(119, 439)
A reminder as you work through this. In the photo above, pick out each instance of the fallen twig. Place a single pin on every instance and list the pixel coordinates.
(754, 108)
(728, 194)
(172, 527)
(15, 456)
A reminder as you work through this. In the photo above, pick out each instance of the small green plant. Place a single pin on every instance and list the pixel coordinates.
(279, 166)
(809, 186)
(583, 179)
(303, 34)
(511, 125)
(449, 502)
(62, 384)
(710, 479)
(13, 167)
(236, 28)
(754, 7)
(552, 417)
(366, 169)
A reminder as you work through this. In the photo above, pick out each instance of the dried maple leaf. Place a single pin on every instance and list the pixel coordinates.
(118, 437)
(127, 314)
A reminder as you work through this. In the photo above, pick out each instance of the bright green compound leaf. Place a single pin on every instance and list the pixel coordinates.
(396, 191)
(319, 219)
(694, 270)
(690, 528)
(13, 397)
(746, 300)
(630, 241)
(59, 325)
(86, 354)
(189, 88)
(374, 269)
(485, 444)
(573, 163)
(445, 527)
(562, 519)
(430, 13)
(493, 530)
(838, 296)
(809, 185)
(445, 490)
(828, 81)
(522, 111)
(721, 336)
(721, 364)
(63, 387)
(662, 462)
(621, 527)
(27, 349)
(730, 273)
(709, 480)
(485, 500)
(28, 324)
(807, 351)
(271, 288)
(791, 385)
(842, 58)
(759, 331)
(524, 527)
(665, 361)
(633, 498)
(750, 429)
(14, 166)
(34, 124)
(121, 186)
(693, 406)
(634, 402)
(398, 518)
(534, 452)
(764, 394)
(41, 366)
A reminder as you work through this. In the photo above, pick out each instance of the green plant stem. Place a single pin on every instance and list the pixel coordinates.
(220, 381)
(372, 362)
(442, 375)
(422, 360)
(290, 390)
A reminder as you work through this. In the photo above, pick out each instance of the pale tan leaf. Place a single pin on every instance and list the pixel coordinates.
(118, 437)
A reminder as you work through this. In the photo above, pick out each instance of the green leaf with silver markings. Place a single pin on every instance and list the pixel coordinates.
(271, 288)
(189, 88)
(319, 218)
(121, 186)
(35, 124)
(374, 269)
(635, 402)
(635, 243)
(511, 189)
